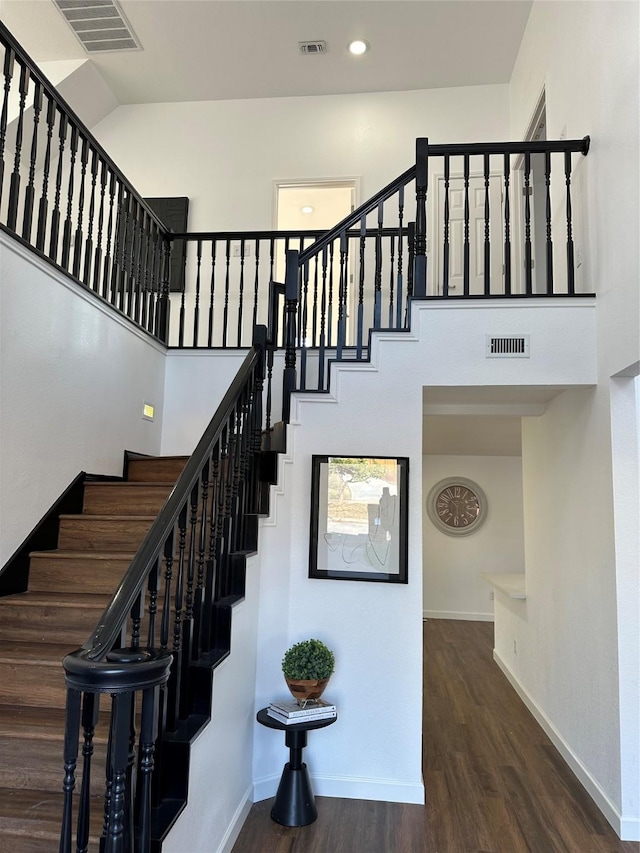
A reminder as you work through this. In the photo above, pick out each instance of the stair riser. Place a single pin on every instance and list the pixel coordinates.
(38, 765)
(55, 574)
(48, 624)
(33, 685)
(155, 470)
(84, 533)
(124, 499)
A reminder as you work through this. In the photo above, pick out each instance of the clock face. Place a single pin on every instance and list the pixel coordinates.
(457, 506)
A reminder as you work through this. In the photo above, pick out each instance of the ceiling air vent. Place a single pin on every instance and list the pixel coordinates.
(515, 346)
(99, 25)
(311, 47)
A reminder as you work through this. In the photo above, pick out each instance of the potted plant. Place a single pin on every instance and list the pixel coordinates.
(307, 667)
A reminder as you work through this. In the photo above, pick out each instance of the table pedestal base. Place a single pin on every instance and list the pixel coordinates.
(294, 804)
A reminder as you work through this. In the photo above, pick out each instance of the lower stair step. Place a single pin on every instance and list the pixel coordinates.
(32, 674)
(155, 469)
(30, 821)
(66, 571)
(103, 532)
(104, 498)
(50, 617)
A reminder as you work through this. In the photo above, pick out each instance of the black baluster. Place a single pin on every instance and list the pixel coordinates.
(136, 620)
(302, 329)
(487, 244)
(377, 299)
(360, 315)
(547, 180)
(164, 300)
(256, 283)
(107, 258)
(55, 216)
(399, 280)
(212, 292)
(571, 285)
(330, 309)
(129, 255)
(9, 61)
(77, 248)
(196, 308)
(422, 178)
(241, 293)
(68, 225)
(291, 304)
(155, 252)
(148, 735)
(71, 730)
(410, 267)
(323, 311)
(342, 294)
(30, 191)
(44, 201)
(175, 684)
(211, 565)
(90, 712)
(314, 311)
(466, 227)
(445, 245)
(202, 551)
(140, 265)
(118, 244)
(528, 264)
(88, 250)
(168, 580)
(152, 607)
(392, 266)
(116, 840)
(183, 297)
(225, 318)
(507, 226)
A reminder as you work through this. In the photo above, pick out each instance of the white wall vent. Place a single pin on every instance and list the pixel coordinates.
(99, 25)
(312, 47)
(511, 346)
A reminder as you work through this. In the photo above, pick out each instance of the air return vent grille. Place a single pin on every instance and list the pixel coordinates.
(99, 25)
(511, 346)
(312, 47)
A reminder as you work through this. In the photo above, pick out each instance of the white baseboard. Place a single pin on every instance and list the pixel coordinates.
(350, 788)
(455, 614)
(237, 822)
(627, 829)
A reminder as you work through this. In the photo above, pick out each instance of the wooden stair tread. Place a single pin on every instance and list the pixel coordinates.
(34, 654)
(35, 723)
(38, 814)
(58, 599)
(91, 518)
(130, 484)
(66, 554)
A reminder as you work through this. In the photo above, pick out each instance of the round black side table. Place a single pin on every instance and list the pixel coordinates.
(295, 804)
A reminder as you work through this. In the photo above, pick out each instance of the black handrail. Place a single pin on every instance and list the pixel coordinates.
(118, 609)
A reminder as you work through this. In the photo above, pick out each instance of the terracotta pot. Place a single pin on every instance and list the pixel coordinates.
(305, 689)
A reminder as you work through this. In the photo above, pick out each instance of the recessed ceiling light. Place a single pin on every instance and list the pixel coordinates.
(307, 209)
(358, 46)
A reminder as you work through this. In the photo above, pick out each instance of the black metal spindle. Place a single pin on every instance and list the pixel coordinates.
(241, 292)
(528, 259)
(445, 245)
(9, 61)
(225, 318)
(571, 284)
(547, 180)
(78, 237)
(399, 277)
(212, 292)
(63, 125)
(68, 224)
(487, 243)
(196, 307)
(43, 205)
(465, 250)
(88, 249)
(30, 190)
(507, 225)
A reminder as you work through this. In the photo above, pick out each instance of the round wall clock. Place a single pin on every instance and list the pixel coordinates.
(457, 506)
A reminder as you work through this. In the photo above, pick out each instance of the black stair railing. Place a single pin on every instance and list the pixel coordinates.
(166, 626)
(63, 195)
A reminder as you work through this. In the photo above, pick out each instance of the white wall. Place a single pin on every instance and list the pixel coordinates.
(225, 155)
(452, 565)
(74, 379)
(581, 673)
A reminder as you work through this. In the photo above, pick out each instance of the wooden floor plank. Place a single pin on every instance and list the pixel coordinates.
(494, 781)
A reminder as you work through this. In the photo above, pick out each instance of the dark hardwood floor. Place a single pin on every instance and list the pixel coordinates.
(494, 782)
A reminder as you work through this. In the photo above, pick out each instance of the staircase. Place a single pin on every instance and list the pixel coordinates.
(68, 591)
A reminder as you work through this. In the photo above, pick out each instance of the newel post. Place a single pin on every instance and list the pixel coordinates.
(291, 307)
(420, 261)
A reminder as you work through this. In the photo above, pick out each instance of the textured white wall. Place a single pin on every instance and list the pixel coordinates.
(452, 565)
(73, 382)
(577, 634)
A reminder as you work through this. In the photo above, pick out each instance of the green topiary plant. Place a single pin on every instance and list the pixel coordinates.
(308, 660)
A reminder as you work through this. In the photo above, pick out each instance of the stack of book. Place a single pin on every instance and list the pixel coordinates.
(290, 713)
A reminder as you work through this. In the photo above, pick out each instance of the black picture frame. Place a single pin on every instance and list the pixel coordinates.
(359, 518)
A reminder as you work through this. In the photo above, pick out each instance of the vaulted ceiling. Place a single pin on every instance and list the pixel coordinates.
(219, 49)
